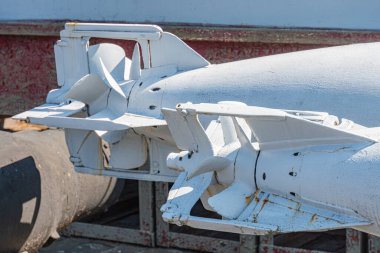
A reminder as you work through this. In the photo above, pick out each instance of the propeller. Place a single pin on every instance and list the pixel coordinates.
(99, 90)
(202, 155)
(231, 202)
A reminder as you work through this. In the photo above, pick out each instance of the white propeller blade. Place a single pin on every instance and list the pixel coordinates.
(135, 71)
(87, 89)
(110, 81)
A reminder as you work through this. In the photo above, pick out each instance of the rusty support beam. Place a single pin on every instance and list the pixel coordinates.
(145, 235)
(266, 245)
(111, 233)
(147, 211)
(356, 242)
(248, 243)
(373, 244)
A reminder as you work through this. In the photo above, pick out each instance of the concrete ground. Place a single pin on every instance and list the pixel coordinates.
(84, 245)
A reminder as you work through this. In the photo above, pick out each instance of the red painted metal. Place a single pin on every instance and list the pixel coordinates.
(27, 71)
(219, 52)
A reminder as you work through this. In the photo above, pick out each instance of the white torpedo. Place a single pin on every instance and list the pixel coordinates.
(269, 144)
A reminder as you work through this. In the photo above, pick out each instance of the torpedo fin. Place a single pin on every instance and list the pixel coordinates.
(104, 121)
(187, 132)
(46, 110)
(274, 128)
(266, 214)
(295, 215)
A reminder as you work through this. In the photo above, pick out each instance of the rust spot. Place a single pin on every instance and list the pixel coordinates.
(313, 218)
(248, 199)
(265, 201)
(255, 196)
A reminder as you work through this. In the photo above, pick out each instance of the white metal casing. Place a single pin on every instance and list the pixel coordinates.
(118, 114)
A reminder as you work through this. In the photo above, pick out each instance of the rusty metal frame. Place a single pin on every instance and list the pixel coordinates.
(266, 245)
(373, 244)
(154, 231)
(167, 238)
(355, 243)
(145, 235)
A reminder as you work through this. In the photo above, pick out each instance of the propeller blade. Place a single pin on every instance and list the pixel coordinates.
(214, 163)
(135, 71)
(110, 81)
(87, 89)
(231, 202)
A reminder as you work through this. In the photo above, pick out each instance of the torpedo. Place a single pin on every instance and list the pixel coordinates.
(276, 144)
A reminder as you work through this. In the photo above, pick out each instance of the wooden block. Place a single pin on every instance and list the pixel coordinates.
(12, 125)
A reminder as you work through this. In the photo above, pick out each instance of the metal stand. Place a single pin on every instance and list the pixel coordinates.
(355, 243)
(143, 236)
(373, 244)
(153, 231)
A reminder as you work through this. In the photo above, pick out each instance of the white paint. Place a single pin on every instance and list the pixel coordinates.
(45, 110)
(341, 176)
(309, 209)
(261, 167)
(175, 193)
(340, 14)
(343, 81)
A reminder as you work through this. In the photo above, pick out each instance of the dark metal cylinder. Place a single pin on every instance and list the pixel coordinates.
(40, 192)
